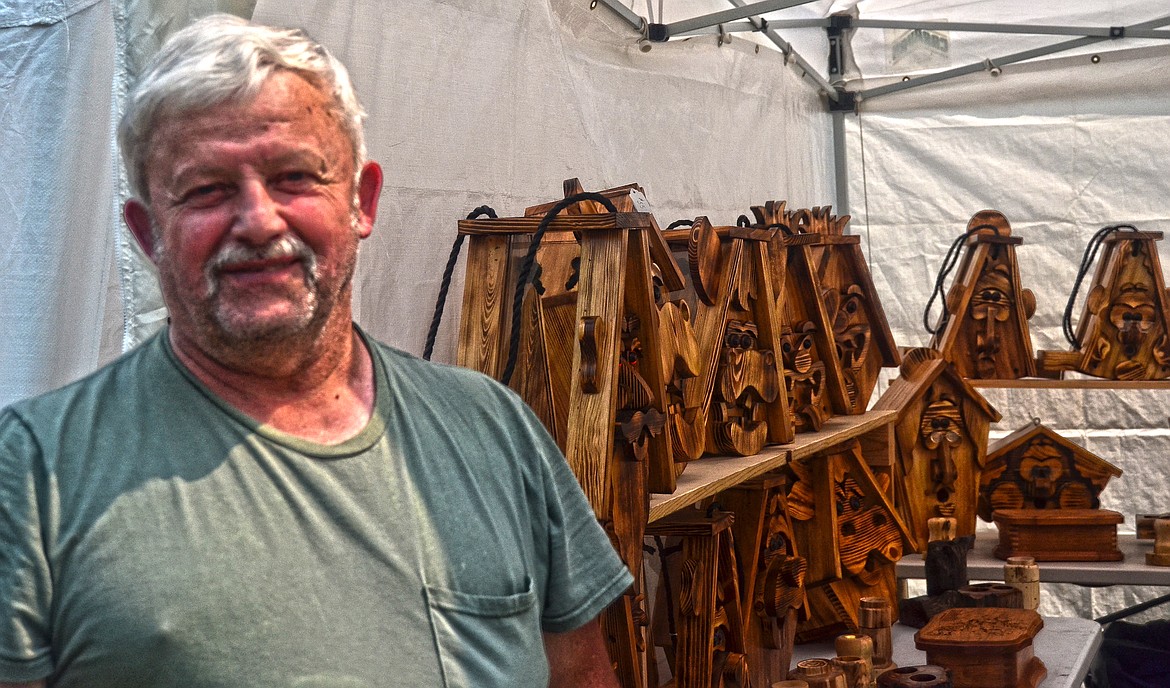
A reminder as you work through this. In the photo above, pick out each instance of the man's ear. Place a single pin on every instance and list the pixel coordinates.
(368, 192)
(137, 218)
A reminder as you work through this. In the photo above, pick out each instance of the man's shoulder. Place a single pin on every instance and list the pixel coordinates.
(436, 378)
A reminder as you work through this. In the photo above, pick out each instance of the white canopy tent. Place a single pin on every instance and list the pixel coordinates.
(497, 102)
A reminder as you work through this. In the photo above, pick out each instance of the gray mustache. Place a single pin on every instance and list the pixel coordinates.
(287, 246)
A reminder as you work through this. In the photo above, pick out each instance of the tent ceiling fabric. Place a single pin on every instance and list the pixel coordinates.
(883, 55)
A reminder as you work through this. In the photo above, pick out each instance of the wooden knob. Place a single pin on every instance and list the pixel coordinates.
(941, 528)
(1023, 574)
(855, 669)
(1161, 554)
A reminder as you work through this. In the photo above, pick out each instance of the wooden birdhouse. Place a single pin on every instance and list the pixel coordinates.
(845, 523)
(740, 382)
(1036, 468)
(941, 441)
(1123, 332)
(815, 382)
(861, 333)
(701, 599)
(583, 350)
(984, 329)
(771, 574)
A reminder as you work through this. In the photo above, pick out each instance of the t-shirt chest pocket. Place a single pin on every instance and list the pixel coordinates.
(488, 640)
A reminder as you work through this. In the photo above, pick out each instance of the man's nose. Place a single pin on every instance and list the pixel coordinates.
(259, 219)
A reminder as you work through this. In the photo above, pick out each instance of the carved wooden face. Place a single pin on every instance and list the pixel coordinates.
(804, 377)
(1041, 467)
(942, 431)
(1133, 313)
(797, 348)
(991, 307)
(748, 378)
(851, 327)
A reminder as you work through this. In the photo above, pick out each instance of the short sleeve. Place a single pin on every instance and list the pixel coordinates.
(585, 573)
(25, 581)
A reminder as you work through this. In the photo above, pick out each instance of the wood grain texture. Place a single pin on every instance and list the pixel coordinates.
(1058, 534)
(1124, 331)
(639, 302)
(585, 224)
(1036, 468)
(984, 648)
(589, 441)
(487, 294)
(986, 333)
(712, 475)
(941, 440)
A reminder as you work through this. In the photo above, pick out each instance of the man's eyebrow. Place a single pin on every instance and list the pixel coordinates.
(319, 164)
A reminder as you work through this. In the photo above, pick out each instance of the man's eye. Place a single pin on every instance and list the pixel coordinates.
(296, 181)
(205, 195)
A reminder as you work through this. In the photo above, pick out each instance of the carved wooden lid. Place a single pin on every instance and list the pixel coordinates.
(1056, 517)
(988, 628)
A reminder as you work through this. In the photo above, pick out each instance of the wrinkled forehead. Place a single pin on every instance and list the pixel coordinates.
(287, 106)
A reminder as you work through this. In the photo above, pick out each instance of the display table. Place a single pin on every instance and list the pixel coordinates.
(983, 566)
(1066, 645)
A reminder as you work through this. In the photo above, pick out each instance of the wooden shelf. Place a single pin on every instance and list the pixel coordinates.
(1080, 383)
(711, 475)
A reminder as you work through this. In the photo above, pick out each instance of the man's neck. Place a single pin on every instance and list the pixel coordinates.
(325, 394)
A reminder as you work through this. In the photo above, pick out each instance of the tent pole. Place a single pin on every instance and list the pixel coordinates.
(840, 164)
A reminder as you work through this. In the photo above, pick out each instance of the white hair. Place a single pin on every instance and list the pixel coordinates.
(222, 58)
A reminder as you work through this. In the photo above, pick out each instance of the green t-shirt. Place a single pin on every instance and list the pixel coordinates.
(155, 536)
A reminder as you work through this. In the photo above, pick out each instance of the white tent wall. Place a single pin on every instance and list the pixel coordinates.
(75, 292)
(479, 102)
(1062, 148)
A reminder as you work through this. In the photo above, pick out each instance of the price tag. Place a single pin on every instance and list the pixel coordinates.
(640, 203)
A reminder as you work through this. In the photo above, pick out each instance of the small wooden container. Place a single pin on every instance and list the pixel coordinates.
(819, 673)
(984, 648)
(1058, 534)
(927, 676)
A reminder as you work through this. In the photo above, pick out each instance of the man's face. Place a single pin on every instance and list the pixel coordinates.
(256, 219)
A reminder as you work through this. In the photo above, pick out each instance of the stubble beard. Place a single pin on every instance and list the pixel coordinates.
(242, 328)
(228, 334)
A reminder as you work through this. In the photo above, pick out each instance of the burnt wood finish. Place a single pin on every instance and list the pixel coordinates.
(1058, 534)
(941, 441)
(1124, 330)
(861, 332)
(985, 648)
(815, 382)
(739, 389)
(1036, 468)
(985, 333)
(845, 521)
(704, 608)
(920, 676)
(771, 575)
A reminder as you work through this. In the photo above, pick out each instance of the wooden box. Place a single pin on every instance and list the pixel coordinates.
(1058, 534)
(984, 648)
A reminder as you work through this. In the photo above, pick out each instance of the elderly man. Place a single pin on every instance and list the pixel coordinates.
(262, 495)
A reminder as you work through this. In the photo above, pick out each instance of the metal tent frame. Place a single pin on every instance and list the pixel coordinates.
(840, 101)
